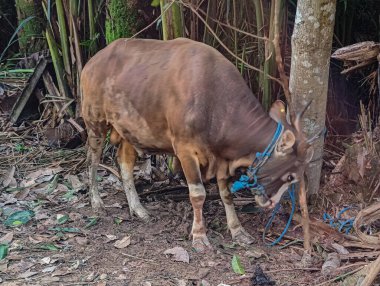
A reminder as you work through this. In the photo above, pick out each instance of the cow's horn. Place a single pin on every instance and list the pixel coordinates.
(315, 137)
(297, 120)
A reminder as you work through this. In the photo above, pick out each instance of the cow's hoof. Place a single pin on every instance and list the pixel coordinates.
(201, 244)
(242, 237)
(141, 213)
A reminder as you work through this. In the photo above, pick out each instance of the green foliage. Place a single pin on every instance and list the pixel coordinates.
(19, 218)
(121, 21)
(3, 251)
(23, 24)
(237, 267)
(155, 3)
(92, 221)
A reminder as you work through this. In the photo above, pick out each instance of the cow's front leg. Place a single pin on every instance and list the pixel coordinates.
(197, 194)
(239, 234)
(127, 159)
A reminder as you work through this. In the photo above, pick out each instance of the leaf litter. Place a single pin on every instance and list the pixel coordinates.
(65, 241)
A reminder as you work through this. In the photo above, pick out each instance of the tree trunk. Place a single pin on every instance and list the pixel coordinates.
(311, 49)
(122, 19)
(30, 36)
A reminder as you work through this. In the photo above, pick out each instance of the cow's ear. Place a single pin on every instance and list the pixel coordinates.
(278, 111)
(286, 143)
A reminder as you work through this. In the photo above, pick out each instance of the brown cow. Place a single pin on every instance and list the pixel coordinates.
(185, 98)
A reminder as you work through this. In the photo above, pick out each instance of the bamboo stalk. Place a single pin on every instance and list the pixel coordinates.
(57, 63)
(269, 63)
(177, 21)
(91, 23)
(63, 36)
(260, 32)
(164, 22)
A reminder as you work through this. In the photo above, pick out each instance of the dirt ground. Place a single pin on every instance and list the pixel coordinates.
(63, 243)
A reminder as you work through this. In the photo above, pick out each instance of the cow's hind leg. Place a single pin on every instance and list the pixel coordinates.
(94, 152)
(190, 167)
(126, 159)
(239, 234)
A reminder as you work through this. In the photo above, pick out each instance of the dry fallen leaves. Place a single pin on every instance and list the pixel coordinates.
(123, 243)
(6, 239)
(179, 254)
(110, 237)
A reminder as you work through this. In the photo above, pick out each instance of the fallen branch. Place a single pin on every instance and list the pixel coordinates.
(359, 255)
(358, 52)
(367, 216)
(374, 269)
(28, 90)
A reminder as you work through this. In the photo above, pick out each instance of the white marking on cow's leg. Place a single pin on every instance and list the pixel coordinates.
(190, 166)
(94, 152)
(198, 231)
(239, 234)
(127, 157)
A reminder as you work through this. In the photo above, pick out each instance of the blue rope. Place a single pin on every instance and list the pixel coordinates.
(249, 181)
(292, 196)
(341, 224)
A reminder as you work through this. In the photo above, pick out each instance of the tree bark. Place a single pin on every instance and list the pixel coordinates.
(30, 36)
(311, 49)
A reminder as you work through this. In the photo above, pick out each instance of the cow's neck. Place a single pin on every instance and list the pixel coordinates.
(255, 132)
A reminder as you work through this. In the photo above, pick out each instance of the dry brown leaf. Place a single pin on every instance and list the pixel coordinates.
(4, 266)
(21, 266)
(23, 194)
(6, 239)
(27, 274)
(90, 277)
(38, 238)
(110, 237)
(61, 272)
(49, 269)
(45, 260)
(81, 240)
(75, 182)
(40, 176)
(179, 254)
(9, 180)
(123, 243)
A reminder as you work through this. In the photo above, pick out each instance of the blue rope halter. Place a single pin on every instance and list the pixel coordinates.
(250, 180)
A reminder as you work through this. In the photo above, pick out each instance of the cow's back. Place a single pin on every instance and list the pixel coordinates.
(153, 92)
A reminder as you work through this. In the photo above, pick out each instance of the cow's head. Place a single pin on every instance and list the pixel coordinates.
(289, 158)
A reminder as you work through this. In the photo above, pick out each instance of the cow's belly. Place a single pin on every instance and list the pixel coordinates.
(143, 137)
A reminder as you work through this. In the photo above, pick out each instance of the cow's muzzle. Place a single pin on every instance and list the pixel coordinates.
(265, 202)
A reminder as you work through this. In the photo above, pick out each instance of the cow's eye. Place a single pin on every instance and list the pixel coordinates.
(290, 178)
